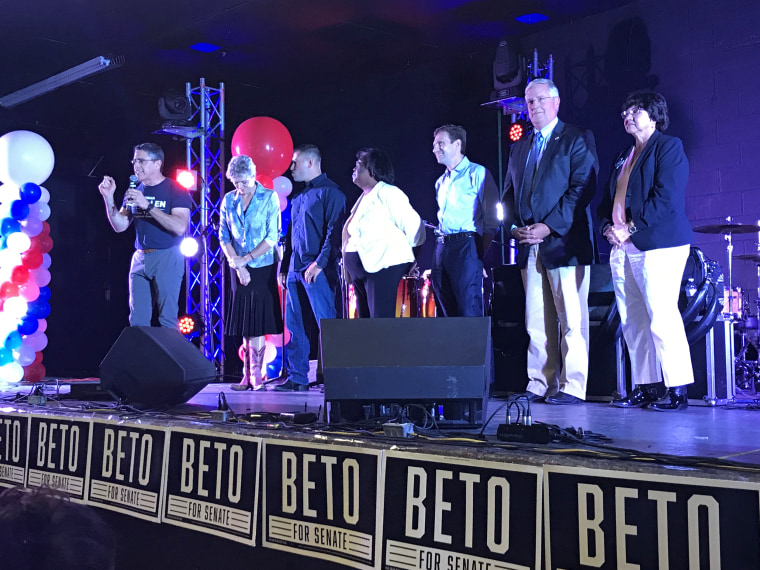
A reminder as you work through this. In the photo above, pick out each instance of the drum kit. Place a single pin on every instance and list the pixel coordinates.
(736, 310)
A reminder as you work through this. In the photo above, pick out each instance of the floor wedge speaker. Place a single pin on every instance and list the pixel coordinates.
(429, 369)
(154, 367)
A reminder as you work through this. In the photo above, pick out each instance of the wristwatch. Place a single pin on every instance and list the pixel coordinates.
(632, 229)
(150, 207)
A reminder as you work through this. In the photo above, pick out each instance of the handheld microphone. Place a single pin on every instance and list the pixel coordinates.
(132, 207)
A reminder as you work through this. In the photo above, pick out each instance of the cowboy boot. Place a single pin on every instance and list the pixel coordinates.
(257, 362)
(245, 383)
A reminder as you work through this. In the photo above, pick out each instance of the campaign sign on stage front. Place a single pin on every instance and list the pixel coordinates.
(613, 519)
(58, 454)
(451, 513)
(212, 483)
(320, 501)
(126, 468)
(14, 437)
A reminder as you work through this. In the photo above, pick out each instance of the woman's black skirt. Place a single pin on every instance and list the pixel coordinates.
(255, 308)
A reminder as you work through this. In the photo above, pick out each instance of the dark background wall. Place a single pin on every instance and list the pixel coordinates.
(703, 56)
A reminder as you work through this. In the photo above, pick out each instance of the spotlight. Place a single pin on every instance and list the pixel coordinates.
(174, 106)
(518, 130)
(189, 247)
(188, 179)
(191, 325)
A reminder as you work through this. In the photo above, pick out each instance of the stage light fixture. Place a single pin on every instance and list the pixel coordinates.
(188, 179)
(191, 325)
(86, 69)
(189, 247)
(518, 130)
(174, 106)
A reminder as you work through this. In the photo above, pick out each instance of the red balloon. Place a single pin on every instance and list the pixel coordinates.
(45, 228)
(19, 275)
(267, 142)
(37, 358)
(265, 181)
(46, 243)
(34, 372)
(31, 258)
(8, 290)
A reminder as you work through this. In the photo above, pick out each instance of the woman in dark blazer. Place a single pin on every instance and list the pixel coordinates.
(643, 216)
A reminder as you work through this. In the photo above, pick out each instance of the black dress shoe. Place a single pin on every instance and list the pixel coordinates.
(527, 395)
(563, 399)
(674, 399)
(291, 386)
(641, 397)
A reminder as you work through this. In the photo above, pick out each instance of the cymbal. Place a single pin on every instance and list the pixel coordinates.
(727, 229)
(748, 257)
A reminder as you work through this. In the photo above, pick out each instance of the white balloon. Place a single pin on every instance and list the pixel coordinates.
(24, 354)
(42, 325)
(15, 307)
(8, 324)
(37, 341)
(44, 195)
(9, 193)
(25, 157)
(44, 210)
(41, 276)
(46, 261)
(11, 372)
(19, 242)
(282, 185)
(9, 258)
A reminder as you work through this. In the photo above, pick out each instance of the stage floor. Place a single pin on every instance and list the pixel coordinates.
(730, 432)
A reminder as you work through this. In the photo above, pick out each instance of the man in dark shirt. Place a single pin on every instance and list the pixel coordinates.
(309, 267)
(160, 209)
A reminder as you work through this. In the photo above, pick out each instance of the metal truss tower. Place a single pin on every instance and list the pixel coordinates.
(205, 273)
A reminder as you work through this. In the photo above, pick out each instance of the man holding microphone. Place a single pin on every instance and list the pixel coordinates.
(160, 209)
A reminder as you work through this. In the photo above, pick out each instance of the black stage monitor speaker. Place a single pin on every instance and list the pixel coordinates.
(433, 368)
(154, 367)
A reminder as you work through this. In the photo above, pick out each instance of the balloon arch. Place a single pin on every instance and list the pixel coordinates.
(26, 161)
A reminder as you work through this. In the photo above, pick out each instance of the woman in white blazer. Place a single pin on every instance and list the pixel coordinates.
(379, 235)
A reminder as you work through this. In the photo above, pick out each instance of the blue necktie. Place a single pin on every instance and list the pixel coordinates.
(527, 182)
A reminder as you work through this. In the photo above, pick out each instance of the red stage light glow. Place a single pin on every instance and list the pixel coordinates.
(187, 179)
(516, 132)
(186, 324)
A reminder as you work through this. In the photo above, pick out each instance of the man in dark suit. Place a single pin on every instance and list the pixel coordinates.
(550, 182)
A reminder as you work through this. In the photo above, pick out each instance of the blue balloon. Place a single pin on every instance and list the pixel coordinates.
(9, 226)
(285, 219)
(6, 356)
(28, 325)
(38, 310)
(19, 210)
(13, 340)
(275, 366)
(44, 294)
(30, 193)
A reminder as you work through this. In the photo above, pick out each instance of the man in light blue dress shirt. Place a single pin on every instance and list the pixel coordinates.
(467, 220)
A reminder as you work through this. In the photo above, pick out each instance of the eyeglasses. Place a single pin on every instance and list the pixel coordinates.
(633, 112)
(142, 161)
(539, 100)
